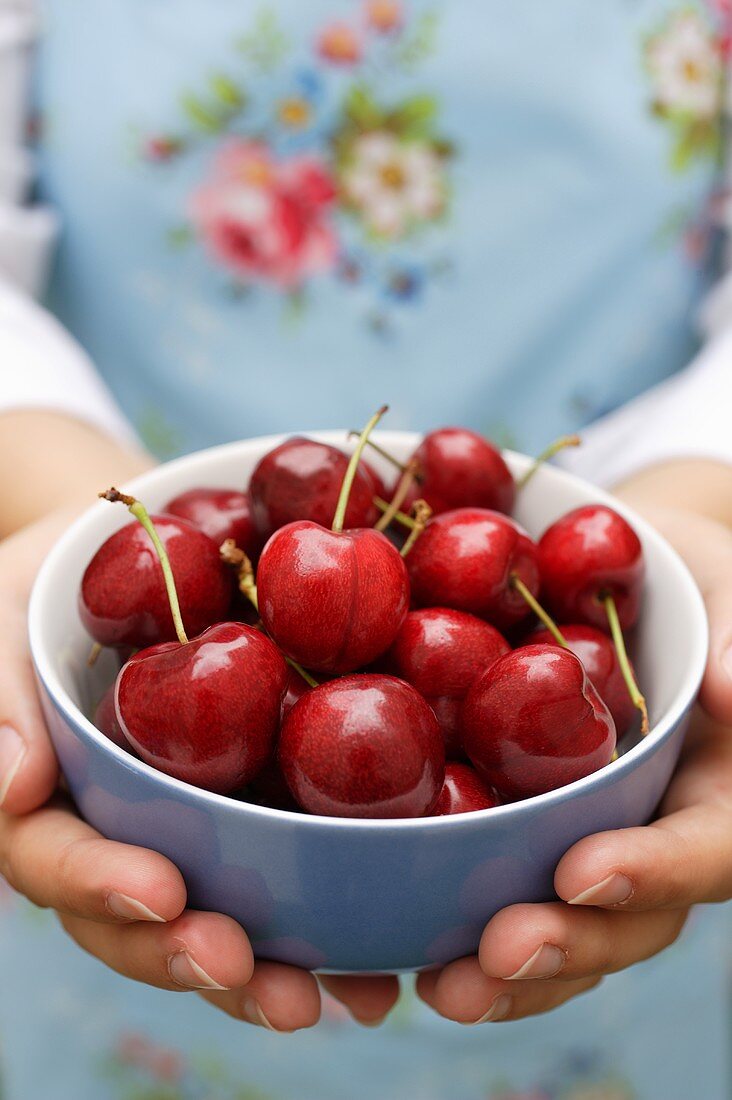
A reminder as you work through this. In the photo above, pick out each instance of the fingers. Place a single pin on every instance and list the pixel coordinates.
(674, 863)
(462, 992)
(278, 998)
(202, 951)
(368, 999)
(556, 942)
(28, 768)
(716, 691)
(56, 860)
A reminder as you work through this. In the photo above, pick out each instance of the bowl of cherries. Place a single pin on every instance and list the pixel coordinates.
(364, 695)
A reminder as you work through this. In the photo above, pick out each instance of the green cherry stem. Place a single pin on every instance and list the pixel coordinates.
(340, 512)
(232, 554)
(637, 697)
(538, 610)
(403, 486)
(422, 513)
(380, 451)
(554, 448)
(140, 513)
(400, 517)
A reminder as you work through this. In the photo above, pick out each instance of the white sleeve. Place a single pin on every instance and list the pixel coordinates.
(41, 366)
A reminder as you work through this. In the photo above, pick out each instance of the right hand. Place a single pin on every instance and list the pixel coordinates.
(122, 904)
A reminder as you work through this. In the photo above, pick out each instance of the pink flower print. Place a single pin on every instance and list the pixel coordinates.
(267, 219)
(160, 1062)
(384, 16)
(339, 44)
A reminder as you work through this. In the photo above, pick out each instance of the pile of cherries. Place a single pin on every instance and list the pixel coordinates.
(384, 660)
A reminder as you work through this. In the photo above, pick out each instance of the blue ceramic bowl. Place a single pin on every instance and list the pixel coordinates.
(337, 894)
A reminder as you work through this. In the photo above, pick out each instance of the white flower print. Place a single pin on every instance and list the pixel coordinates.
(394, 183)
(685, 66)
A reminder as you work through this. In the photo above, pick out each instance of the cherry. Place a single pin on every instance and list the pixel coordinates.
(205, 711)
(105, 719)
(296, 688)
(301, 480)
(597, 653)
(219, 513)
(464, 791)
(459, 468)
(123, 602)
(363, 746)
(534, 722)
(467, 559)
(440, 652)
(333, 600)
(588, 554)
(270, 789)
(591, 564)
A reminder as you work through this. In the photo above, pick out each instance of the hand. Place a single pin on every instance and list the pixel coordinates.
(126, 905)
(626, 894)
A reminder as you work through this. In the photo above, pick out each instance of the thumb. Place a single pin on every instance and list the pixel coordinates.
(706, 547)
(28, 768)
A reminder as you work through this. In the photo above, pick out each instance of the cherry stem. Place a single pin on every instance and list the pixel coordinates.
(93, 657)
(634, 691)
(554, 448)
(538, 610)
(384, 454)
(340, 512)
(140, 513)
(400, 517)
(403, 486)
(232, 554)
(422, 513)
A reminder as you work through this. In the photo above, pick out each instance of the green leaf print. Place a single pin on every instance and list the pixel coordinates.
(227, 91)
(420, 44)
(200, 115)
(361, 109)
(414, 117)
(266, 44)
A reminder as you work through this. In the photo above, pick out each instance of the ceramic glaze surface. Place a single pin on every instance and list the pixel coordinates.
(350, 895)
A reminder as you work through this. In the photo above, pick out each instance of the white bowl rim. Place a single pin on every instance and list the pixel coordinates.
(628, 762)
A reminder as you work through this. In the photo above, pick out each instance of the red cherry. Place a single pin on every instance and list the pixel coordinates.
(465, 559)
(206, 712)
(296, 688)
(363, 746)
(464, 791)
(269, 788)
(460, 469)
(587, 554)
(534, 722)
(597, 653)
(332, 600)
(440, 652)
(123, 600)
(105, 719)
(301, 479)
(220, 514)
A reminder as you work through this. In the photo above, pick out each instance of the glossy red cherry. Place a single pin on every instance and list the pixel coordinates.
(363, 746)
(534, 722)
(465, 560)
(587, 554)
(597, 653)
(105, 719)
(464, 791)
(333, 601)
(301, 480)
(123, 601)
(440, 652)
(461, 469)
(208, 711)
(269, 788)
(220, 514)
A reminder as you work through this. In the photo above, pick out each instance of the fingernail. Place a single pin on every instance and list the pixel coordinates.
(12, 750)
(185, 971)
(370, 1023)
(499, 1009)
(253, 1012)
(546, 961)
(121, 905)
(613, 890)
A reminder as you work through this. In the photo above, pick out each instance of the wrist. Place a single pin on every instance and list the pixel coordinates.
(695, 486)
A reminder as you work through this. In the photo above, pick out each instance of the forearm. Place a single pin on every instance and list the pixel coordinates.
(51, 461)
(700, 486)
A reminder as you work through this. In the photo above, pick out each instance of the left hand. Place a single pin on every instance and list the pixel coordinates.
(625, 894)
